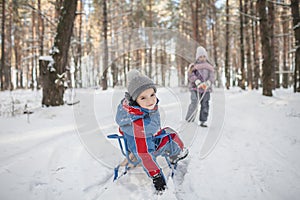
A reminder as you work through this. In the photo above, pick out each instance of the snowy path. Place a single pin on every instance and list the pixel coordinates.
(63, 153)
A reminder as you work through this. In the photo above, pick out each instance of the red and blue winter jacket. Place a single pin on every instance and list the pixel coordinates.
(139, 126)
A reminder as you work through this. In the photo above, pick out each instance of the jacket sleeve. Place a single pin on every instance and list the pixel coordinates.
(143, 148)
(211, 77)
(122, 117)
(192, 77)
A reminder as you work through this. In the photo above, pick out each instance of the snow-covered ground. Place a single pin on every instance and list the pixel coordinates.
(250, 150)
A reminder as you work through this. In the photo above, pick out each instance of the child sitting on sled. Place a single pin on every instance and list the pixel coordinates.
(139, 121)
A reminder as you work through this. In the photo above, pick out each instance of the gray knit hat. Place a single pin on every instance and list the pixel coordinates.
(137, 83)
(201, 52)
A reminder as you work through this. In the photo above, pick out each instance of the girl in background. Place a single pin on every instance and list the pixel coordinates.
(201, 76)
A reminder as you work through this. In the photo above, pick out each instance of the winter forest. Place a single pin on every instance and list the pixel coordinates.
(252, 44)
(63, 72)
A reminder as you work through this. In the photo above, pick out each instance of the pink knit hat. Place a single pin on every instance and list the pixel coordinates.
(201, 52)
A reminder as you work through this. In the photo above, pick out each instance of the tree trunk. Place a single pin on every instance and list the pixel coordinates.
(17, 44)
(6, 49)
(47, 81)
(227, 67)
(114, 73)
(105, 59)
(215, 46)
(53, 83)
(150, 24)
(41, 29)
(8, 84)
(271, 23)
(203, 7)
(195, 21)
(285, 29)
(58, 5)
(2, 45)
(163, 63)
(255, 43)
(33, 50)
(78, 73)
(296, 24)
(41, 33)
(242, 48)
(266, 48)
(248, 47)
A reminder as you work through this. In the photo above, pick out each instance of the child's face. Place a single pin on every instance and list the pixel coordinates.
(147, 99)
(202, 58)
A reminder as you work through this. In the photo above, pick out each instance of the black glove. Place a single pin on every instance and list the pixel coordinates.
(159, 182)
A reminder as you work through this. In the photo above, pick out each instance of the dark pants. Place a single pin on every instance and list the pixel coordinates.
(193, 107)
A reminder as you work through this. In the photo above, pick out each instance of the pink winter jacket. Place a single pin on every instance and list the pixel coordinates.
(202, 71)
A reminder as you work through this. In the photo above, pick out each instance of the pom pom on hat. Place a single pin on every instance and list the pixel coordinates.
(137, 83)
(131, 74)
(201, 52)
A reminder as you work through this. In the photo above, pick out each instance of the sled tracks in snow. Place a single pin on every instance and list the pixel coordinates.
(136, 185)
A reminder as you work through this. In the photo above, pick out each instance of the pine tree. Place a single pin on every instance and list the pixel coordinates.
(53, 79)
(266, 48)
(296, 24)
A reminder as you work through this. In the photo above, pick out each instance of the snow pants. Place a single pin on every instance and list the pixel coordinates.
(165, 143)
(168, 143)
(193, 107)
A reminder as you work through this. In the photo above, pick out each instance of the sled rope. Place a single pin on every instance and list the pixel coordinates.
(194, 112)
